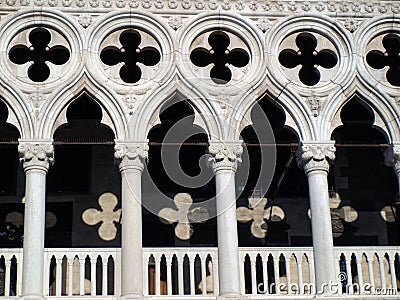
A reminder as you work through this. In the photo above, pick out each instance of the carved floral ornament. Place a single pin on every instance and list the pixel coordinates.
(225, 155)
(31, 154)
(339, 7)
(313, 156)
(133, 154)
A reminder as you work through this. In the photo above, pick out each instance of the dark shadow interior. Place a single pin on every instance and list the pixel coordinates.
(288, 188)
(361, 178)
(190, 143)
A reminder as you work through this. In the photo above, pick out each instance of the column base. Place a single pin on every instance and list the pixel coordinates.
(31, 297)
(131, 296)
(231, 296)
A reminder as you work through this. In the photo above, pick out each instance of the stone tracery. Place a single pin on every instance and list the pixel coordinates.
(302, 121)
(130, 56)
(39, 54)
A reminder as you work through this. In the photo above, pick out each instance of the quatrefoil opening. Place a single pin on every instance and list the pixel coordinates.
(183, 215)
(309, 58)
(220, 57)
(39, 54)
(107, 216)
(130, 55)
(390, 58)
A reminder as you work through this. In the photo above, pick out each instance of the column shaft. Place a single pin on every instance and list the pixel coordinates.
(315, 158)
(34, 220)
(36, 159)
(225, 159)
(228, 256)
(324, 257)
(131, 238)
(131, 157)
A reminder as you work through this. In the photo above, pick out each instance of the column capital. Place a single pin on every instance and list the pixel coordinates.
(225, 155)
(392, 157)
(131, 154)
(315, 156)
(36, 154)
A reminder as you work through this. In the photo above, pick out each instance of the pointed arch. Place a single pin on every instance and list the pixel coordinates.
(296, 117)
(386, 114)
(148, 114)
(55, 112)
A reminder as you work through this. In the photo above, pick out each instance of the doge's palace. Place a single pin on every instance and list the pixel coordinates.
(199, 149)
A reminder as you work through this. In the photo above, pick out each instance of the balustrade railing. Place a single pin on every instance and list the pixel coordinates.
(193, 272)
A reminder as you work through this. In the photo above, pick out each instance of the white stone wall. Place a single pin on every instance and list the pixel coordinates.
(349, 29)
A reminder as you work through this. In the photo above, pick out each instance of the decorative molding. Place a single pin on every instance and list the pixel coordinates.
(175, 22)
(351, 24)
(36, 155)
(184, 215)
(132, 102)
(315, 156)
(315, 104)
(85, 20)
(131, 155)
(107, 216)
(243, 6)
(225, 155)
(263, 24)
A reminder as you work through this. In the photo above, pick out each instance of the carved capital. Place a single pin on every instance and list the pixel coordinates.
(131, 155)
(34, 154)
(225, 155)
(315, 156)
(392, 158)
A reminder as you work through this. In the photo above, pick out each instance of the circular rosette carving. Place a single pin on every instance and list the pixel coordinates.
(38, 55)
(308, 58)
(383, 58)
(130, 56)
(220, 56)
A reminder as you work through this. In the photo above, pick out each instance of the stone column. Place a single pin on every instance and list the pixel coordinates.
(392, 159)
(315, 158)
(224, 162)
(131, 157)
(36, 158)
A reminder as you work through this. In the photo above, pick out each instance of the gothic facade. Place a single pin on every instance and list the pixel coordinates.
(166, 149)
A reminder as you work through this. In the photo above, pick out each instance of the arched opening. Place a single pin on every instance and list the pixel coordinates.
(287, 195)
(12, 184)
(361, 185)
(177, 169)
(83, 171)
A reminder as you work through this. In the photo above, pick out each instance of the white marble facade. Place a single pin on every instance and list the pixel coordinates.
(343, 34)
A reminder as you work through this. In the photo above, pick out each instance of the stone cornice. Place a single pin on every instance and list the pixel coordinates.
(225, 155)
(131, 155)
(315, 156)
(244, 7)
(36, 154)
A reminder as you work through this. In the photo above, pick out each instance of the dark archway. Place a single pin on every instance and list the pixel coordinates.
(288, 189)
(361, 179)
(190, 143)
(83, 170)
